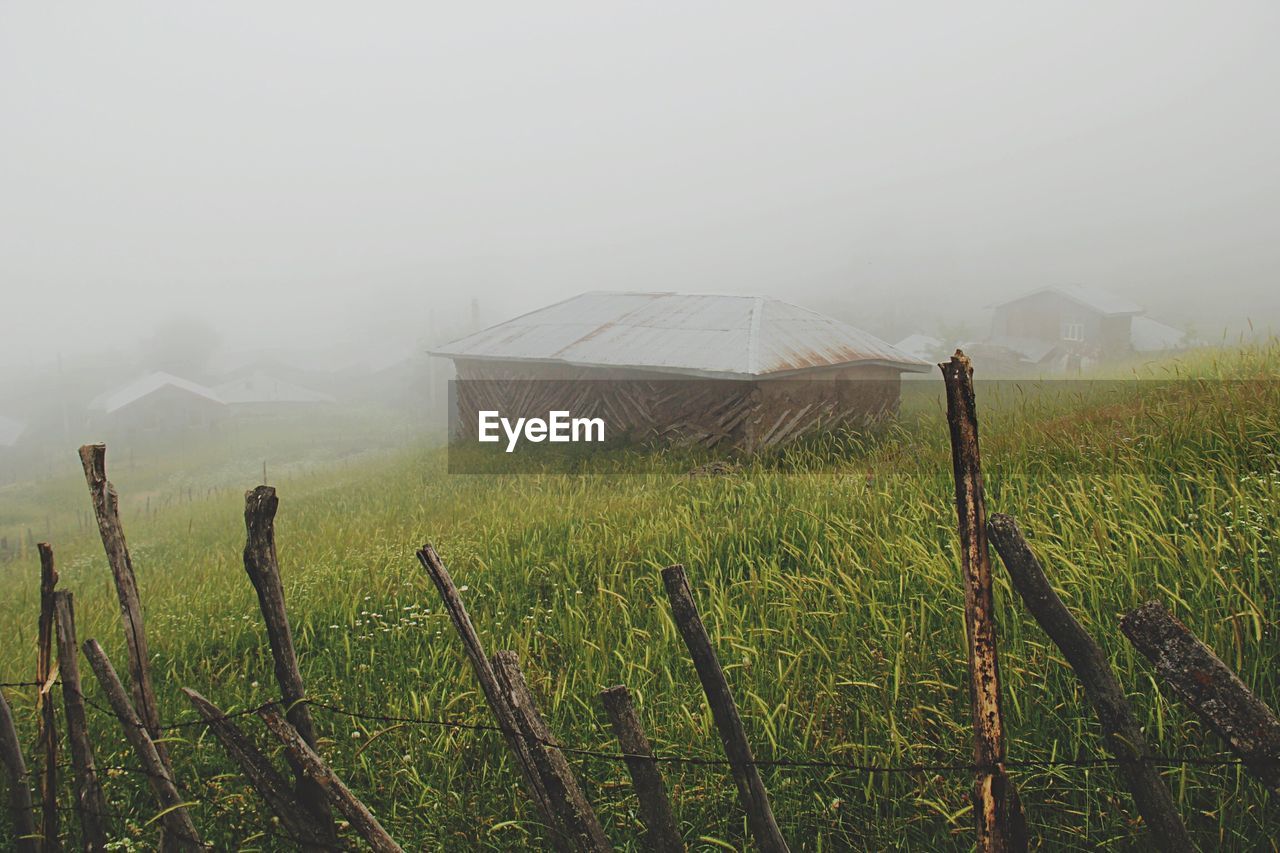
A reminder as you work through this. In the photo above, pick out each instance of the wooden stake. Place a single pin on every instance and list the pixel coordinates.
(1124, 735)
(301, 753)
(493, 694)
(46, 673)
(1001, 825)
(1200, 678)
(90, 804)
(263, 568)
(106, 506)
(661, 833)
(751, 790)
(21, 810)
(173, 814)
(270, 785)
(575, 817)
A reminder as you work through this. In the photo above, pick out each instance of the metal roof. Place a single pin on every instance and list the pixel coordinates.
(1098, 300)
(149, 384)
(1150, 335)
(704, 335)
(920, 345)
(262, 387)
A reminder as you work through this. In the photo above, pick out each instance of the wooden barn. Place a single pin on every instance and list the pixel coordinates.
(1071, 320)
(744, 372)
(158, 402)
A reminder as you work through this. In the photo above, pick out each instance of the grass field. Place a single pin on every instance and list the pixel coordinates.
(827, 576)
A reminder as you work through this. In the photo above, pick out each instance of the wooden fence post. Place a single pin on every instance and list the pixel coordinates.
(362, 820)
(1001, 825)
(661, 832)
(575, 817)
(90, 804)
(174, 817)
(263, 568)
(106, 506)
(46, 673)
(483, 670)
(751, 790)
(1200, 678)
(20, 807)
(278, 794)
(1124, 735)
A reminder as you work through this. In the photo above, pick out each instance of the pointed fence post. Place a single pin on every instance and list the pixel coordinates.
(1088, 661)
(90, 804)
(106, 507)
(174, 817)
(46, 674)
(751, 790)
(21, 810)
(661, 832)
(275, 791)
(575, 817)
(301, 753)
(1199, 677)
(1001, 825)
(263, 568)
(493, 694)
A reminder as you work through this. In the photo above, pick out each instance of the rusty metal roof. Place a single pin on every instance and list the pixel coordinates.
(702, 335)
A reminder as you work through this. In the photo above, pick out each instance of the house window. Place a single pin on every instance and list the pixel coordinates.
(1073, 331)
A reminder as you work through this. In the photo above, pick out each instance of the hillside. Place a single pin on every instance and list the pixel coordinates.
(827, 575)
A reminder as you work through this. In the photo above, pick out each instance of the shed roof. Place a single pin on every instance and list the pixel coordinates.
(145, 385)
(919, 345)
(1098, 300)
(262, 387)
(1150, 335)
(692, 334)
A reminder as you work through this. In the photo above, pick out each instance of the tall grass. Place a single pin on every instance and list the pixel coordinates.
(826, 573)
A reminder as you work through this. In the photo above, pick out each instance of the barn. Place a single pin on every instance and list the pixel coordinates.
(737, 371)
(158, 402)
(1069, 319)
(264, 392)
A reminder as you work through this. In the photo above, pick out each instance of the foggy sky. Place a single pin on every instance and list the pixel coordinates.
(299, 172)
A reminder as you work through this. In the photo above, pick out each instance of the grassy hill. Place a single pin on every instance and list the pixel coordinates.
(827, 575)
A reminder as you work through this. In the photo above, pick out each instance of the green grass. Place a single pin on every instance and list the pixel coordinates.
(827, 576)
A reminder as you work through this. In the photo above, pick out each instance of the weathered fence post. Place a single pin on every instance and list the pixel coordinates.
(575, 817)
(1200, 678)
(45, 675)
(20, 807)
(278, 794)
(90, 804)
(661, 833)
(173, 814)
(1124, 735)
(483, 670)
(106, 506)
(751, 790)
(263, 568)
(301, 753)
(1000, 822)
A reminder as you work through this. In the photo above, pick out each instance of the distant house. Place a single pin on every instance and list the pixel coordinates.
(921, 346)
(680, 367)
(261, 390)
(1153, 336)
(158, 401)
(1075, 321)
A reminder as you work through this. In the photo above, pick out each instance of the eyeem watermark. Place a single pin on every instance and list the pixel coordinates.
(558, 426)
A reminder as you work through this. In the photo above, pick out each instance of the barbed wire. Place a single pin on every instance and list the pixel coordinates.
(274, 832)
(819, 763)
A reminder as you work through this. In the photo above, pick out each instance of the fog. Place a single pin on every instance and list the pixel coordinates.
(297, 175)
